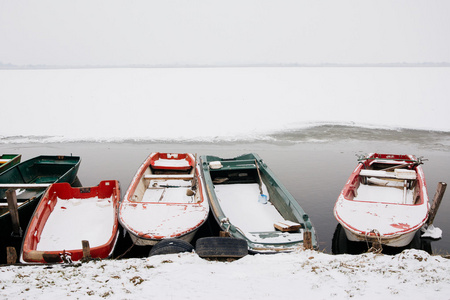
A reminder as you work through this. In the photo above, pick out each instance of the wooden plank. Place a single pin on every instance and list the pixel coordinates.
(24, 185)
(384, 174)
(13, 210)
(287, 226)
(171, 176)
(436, 202)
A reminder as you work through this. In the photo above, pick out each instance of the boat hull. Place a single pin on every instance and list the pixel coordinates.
(66, 216)
(140, 241)
(384, 201)
(164, 200)
(234, 187)
(398, 240)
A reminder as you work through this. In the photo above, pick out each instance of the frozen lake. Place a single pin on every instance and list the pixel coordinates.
(201, 104)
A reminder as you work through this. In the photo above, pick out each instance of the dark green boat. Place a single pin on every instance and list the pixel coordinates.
(29, 180)
(9, 160)
(250, 203)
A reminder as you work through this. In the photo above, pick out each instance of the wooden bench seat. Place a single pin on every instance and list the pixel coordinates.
(397, 174)
(169, 176)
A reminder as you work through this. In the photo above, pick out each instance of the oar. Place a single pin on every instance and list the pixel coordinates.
(261, 198)
(398, 166)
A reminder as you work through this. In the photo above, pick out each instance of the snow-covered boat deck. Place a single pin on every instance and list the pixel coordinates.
(74, 220)
(240, 204)
(168, 191)
(383, 194)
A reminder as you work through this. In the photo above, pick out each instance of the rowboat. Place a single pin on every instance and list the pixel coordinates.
(27, 181)
(164, 200)
(385, 200)
(250, 203)
(9, 160)
(66, 216)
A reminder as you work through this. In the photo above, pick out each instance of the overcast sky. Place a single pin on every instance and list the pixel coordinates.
(231, 32)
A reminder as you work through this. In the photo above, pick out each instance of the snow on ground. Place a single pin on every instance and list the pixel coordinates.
(411, 274)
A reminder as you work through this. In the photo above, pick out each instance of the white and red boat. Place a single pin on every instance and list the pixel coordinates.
(384, 201)
(164, 200)
(66, 216)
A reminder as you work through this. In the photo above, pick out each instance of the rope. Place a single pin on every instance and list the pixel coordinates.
(226, 220)
(373, 249)
(128, 250)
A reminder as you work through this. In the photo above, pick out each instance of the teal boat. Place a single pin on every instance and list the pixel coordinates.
(9, 160)
(29, 180)
(250, 203)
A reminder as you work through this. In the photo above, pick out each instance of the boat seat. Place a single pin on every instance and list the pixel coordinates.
(245, 164)
(172, 164)
(169, 176)
(397, 174)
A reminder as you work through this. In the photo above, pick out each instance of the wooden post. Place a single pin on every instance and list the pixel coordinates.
(86, 250)
(307, 242)
(436, 202)
(11, 255)
(224, 234)
(13, 210)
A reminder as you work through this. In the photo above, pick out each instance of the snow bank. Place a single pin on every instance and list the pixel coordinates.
(309, 275)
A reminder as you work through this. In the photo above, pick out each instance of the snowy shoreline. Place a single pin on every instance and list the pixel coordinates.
(408, 275)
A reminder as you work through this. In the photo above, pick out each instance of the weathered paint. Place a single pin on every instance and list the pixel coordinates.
(170, 224)
(392, 224)
(105, 189)
(284, 202)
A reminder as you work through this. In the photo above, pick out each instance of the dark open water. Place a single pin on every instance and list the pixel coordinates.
(312, 163)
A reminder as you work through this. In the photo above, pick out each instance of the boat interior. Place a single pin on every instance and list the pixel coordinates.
(238, 185)
(388, 181)
(167, 181)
